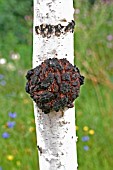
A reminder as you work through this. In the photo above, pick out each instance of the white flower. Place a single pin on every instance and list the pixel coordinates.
(15, 56)
(3, 61)
(77, 11)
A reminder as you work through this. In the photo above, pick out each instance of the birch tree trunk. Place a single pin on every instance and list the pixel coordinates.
(56, 138)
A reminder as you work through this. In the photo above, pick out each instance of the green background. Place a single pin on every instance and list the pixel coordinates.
(93, 55)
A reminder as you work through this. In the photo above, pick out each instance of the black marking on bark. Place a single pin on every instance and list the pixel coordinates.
(40, 149)
(46, 30)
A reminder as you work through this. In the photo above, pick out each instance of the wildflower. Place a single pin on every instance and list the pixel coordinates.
(12, 115)
(86, 148)
(31, 129)
(2, 61)
(27, 17)
(1, 76)
(85, 138)
(18, 163)
(0, 168)
(76, 127)
(85, 128)
(15, 56)
(91, 132)
(3, 83)
(11, 124)
(77, 11)
(106, 1)
(10, 157)
(109, 37)
(5, 135)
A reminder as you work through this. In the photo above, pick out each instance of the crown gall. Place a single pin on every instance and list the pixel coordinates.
(54, 85)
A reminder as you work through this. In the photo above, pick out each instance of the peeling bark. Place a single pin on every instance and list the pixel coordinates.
(56, 138)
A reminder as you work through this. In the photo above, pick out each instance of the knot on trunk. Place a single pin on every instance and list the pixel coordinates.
(54, 84)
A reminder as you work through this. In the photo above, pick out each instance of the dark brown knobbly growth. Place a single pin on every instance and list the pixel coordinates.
(47, 30)
(54, 84)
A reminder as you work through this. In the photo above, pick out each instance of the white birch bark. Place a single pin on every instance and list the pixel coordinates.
(56, 138)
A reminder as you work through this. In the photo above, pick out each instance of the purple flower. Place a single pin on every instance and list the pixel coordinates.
(27, 17)
(1, 76)
(110, 37)
(85, 138)
(106, 1)
(12, 115)
(5, 135)
(0, 168)
(3, 83)
(11, 124)
(86, 148)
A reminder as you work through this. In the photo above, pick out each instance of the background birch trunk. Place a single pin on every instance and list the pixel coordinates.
(56, 138)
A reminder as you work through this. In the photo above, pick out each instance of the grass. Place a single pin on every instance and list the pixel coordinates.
(94, 107)
(93, 55)
(22, 141)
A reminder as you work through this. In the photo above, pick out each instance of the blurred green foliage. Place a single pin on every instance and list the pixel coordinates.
(93, 55)
(15, 24)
